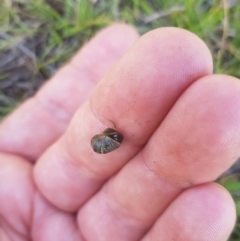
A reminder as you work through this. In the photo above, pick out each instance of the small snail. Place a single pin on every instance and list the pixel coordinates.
(106, 142)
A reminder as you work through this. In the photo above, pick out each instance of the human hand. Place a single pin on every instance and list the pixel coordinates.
(181, 131)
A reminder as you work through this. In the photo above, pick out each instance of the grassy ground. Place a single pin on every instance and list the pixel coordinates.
(38, 36)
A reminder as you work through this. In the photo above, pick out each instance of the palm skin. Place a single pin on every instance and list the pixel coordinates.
(181, 131)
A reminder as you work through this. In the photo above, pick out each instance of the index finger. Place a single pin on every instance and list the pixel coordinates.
(137, 94)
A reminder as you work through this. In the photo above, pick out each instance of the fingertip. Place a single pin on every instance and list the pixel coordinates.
(205, 212)
(211, 206)
(114, 40)
(123, 29)
(183, 47)
(212, 200)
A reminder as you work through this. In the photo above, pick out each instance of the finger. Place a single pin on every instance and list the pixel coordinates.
(205, 213)
(3, 235)
(197, 141)
(51, 224)
(26, 215)
(136, 94)
(42, 119)
(17, 190)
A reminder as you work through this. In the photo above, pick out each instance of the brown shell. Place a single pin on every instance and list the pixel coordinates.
(106, 142)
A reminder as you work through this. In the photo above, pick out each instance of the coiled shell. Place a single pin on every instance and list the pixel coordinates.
(107, 142)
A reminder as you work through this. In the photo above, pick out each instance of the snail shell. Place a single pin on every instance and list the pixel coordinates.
(106, 142)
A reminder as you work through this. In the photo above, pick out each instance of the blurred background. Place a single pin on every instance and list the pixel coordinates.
(38, 36)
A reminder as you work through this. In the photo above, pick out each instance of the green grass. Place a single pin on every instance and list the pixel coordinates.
(48, 32)
(232, 184)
